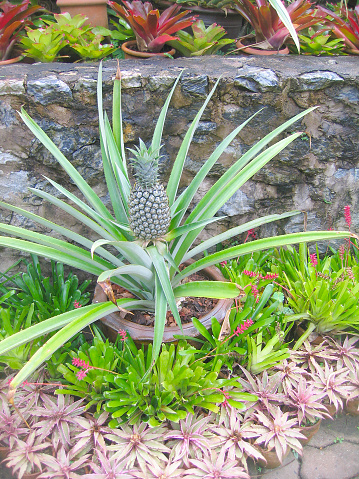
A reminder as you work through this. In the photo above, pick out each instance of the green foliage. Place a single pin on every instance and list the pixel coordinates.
(317, 43)
(49, 295)
(13, 18)
(204, 41)
(11, 322)
(149, 271)
(205, 3)
(64, 36)
(174, 387)
(103, 358)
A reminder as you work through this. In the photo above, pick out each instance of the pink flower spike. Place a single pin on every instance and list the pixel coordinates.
(313, 259)
(223, 263)
(81, 374)
(347, 216)
(123, 334)
(77, 304)
(80, 363)
(251, 274)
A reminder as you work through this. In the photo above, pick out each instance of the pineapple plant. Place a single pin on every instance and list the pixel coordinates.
(148, 205)
(149, 271)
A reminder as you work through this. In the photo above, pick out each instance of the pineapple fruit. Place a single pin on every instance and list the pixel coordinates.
(148, 205)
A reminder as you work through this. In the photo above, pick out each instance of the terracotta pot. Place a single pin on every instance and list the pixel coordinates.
(131, 54)
(113, 322)
(313, 338)
(271, 459)
(95, 10)
(331, 409)
(352, 407)
(309, 432)
(251, 50)
(4, 451)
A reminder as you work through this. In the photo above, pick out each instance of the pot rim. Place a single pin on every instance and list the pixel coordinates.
(140, 332)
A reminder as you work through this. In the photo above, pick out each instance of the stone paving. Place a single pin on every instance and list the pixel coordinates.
(332, 454)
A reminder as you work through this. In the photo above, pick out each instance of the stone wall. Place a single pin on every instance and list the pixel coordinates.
(318, 173)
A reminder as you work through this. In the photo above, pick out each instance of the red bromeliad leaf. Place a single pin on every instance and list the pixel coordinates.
(153, 29)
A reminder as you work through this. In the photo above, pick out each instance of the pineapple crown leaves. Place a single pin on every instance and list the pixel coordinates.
(145, 163)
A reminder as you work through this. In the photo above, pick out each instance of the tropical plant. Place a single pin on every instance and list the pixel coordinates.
(189, 438)
(138, 444)
(50, 296)
(265, 354)
(234, 436)
(63, 466)
(333, 382)
(264, 387)
(304, 402)
(88, 375)
(216, 466)
(28, 456)
(151, 271)
(62, 36)
(204, 41)
(317, 43)
(344, 25)
(173, 388)
(12, 427)
(276, 431)
(273, 22)
(106, 467)
(58, 418)
(151, 29)
(205, 3)
(13, 18)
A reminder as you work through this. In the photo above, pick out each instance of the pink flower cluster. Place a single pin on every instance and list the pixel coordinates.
(347, 216)
(313, 259)
(80, 363)
(253, 274)
(122, 333)
(255, 292)
(223, 263)
(77, 304)
(243, 327)
(250, 234)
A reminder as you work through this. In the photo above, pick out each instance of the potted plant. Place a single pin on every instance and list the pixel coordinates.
(94, 10)
(152, 29)
(270, 30)
(151, 250)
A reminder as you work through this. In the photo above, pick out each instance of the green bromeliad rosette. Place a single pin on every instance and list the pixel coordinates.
(141, 245)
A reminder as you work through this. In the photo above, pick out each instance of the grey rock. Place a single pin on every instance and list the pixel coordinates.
(317, 80)
(49, 90)
(12, 87)
(131, 79)
(195, 86)
(13, 184)
(239, 204)
(338, 461)
(257, 79)
(7, 115)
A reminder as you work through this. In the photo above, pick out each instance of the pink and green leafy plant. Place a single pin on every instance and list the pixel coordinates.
(105, 467)
(334, 383)
(189, 439)
(305, 403)
(28, 455)
(270, 31)
(276, 431)
(152, 29)
(216, 466)
(63, 465)
(235, 436)
(13, 18)
(138, 445)
(344, 25)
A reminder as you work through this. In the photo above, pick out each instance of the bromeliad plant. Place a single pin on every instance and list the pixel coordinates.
(146, 260)
(13, 18)
(273, 23)
(152, 29)
(204, 41)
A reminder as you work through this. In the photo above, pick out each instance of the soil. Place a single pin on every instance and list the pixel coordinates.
(187, 307)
